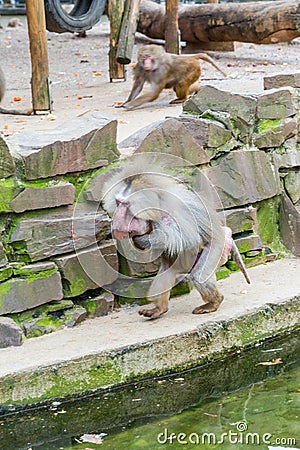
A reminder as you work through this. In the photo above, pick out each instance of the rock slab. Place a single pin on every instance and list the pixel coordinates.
(78, 145)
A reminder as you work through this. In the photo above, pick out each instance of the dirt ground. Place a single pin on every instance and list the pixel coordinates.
(80, 80)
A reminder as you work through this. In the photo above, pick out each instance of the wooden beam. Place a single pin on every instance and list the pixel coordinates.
(171, 27)
(115, 12)
(39, 55)
(127, 32)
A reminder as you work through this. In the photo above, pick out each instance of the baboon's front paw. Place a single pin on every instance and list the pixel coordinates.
(152, 313)
(204, 309)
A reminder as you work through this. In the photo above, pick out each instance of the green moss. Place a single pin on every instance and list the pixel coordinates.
(222, 272)
(8, 190)
(265, 125)
(77, 287)
(20, 251)
(80, 181)
(268, 223)
(132, 294)
(42, 311)
(58, 306)
(95, 307)
(44, 274)
(245, 246)
(44, 325)
(90, 306)
(83, 181)
(4, 289)
(182, 288)
(232, 266)
(43, 319)
(5, 273)
(21, 270)
(106, 374)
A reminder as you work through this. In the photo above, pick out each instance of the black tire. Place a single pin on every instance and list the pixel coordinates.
(83, 16)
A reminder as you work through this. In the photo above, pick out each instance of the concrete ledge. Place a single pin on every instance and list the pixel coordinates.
(124, 347)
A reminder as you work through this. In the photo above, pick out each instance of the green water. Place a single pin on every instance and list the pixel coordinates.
(235, 402)
(264, 414)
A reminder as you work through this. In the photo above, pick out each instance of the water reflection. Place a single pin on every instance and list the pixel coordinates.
(182, 407)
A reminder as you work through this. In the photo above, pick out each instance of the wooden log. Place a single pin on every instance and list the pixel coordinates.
(115, 12)
(271, 22)
(127, 31)
(39, 55)
(171, 28)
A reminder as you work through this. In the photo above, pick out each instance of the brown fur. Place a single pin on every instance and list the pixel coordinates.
(165, 71)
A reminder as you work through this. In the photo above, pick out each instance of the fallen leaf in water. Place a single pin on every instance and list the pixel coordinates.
(97, 74)
(210, 415)
(274, 362)
(92, 438)
(17, 99)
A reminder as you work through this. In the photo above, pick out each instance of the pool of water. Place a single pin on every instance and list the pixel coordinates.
(245, 401)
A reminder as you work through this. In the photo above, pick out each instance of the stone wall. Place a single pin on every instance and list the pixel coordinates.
(55, 240)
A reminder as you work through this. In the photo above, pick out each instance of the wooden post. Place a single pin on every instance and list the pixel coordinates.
(115, 11)
(171, 27)
(212, 1)
(128, 30)
(39, 55)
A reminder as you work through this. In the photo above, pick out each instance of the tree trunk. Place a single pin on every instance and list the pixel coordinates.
(257, 22)
(171, 28)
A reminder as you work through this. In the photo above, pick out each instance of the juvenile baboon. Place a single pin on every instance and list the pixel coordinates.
(159, 214)
(165, 71)
(2, 92)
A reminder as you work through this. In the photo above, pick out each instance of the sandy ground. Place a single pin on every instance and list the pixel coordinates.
(80, 80)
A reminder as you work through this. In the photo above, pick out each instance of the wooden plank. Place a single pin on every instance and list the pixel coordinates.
(39, 55)
(128, 30)
(115, 12)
